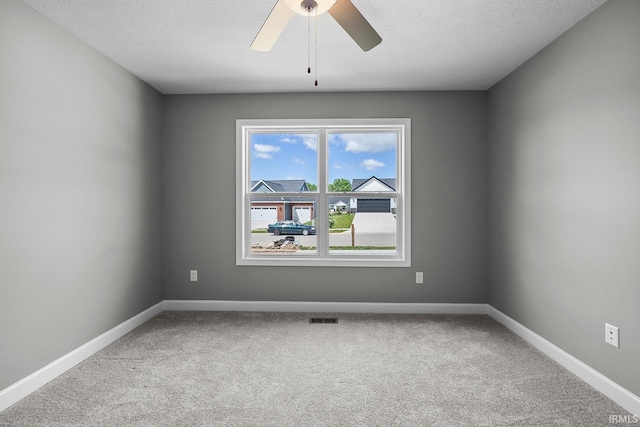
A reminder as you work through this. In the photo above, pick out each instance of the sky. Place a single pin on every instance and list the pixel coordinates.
(295, 156)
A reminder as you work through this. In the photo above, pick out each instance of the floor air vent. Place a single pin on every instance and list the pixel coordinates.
(323, 320)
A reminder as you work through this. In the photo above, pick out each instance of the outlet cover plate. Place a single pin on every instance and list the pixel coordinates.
(612, 335)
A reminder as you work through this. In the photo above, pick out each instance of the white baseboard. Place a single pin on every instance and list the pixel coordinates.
(595, 379)
(324, 307)
(27, 385)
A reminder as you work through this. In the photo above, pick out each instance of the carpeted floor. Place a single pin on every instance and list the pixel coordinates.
(277, 369)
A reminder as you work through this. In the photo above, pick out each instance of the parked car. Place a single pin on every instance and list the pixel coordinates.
(290, 227)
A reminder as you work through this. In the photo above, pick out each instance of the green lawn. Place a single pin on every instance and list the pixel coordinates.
(361, 248)
(352, 248)
(342, 220)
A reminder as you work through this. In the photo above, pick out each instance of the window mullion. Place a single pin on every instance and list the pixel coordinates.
(323, 203)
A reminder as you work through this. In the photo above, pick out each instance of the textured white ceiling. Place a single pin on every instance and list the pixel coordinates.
(202, 46)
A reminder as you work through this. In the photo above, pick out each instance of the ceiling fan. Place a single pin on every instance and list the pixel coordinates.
(343, 11)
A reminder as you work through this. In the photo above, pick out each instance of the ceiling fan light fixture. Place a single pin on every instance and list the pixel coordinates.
(301, 7)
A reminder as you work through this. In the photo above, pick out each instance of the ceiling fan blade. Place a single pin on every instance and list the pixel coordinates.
(352, 21)
(272, 27)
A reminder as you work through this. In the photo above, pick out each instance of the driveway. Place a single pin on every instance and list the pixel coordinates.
(374, 222)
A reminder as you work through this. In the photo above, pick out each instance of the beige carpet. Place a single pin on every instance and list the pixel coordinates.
(276, 369)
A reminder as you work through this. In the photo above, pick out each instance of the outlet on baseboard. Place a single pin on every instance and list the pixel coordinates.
(194, 275)
(612, 335)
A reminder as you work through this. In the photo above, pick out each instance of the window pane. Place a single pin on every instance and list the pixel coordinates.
(354, 158)
(367, 226)
(283, 162)
(283, 225)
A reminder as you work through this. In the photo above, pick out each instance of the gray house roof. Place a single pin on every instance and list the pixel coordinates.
(389, 182)
(283, 185)
(334, 200)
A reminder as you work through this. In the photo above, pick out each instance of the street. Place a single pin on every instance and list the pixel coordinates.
(335, 239)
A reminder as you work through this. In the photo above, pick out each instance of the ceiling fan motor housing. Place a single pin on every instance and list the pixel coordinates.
(308, 5)
(303, 7)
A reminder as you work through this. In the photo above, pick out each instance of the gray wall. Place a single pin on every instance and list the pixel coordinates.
(564, 134)
(79, 193)
(449, 200)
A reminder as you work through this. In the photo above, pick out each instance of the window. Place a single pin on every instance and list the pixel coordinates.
(323, 192)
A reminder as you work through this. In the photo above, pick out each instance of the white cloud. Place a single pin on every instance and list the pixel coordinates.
(311, 142)
(299, 161)
(371, 164)
(343, 166)
(264, 151)
(367, 142)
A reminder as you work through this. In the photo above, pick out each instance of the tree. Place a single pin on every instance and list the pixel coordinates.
(312, 187)
(340, 185)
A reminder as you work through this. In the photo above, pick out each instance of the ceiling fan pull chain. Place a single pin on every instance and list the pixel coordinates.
(316, 46)
(309, 42)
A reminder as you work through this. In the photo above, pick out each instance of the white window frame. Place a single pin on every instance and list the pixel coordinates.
(402, 257)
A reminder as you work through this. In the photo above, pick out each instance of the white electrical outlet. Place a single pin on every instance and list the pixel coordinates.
(194, 275)
(419, 277)
(612, 335)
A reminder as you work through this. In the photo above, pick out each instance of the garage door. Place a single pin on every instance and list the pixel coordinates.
(263, 216)
(374, 205)
(302, 214)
